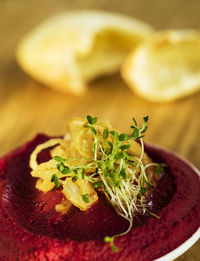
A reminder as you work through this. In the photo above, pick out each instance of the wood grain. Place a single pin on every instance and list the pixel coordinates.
(27, 107)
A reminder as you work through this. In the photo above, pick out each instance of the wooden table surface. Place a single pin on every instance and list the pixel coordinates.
(27, 107)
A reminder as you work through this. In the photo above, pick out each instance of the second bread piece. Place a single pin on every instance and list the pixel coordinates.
(166, 67)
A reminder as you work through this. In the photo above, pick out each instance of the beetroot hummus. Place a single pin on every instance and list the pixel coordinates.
(31, 229)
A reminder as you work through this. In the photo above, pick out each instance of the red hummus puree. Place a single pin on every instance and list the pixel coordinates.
(30, 228)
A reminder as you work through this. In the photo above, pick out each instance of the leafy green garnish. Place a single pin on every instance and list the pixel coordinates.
(149, 184)
(97, 184)
(160, 168)
(83, 173)
(122, 173)
(105, 134)
(74, 179)
(59, 159)
(114, 248)
(134, 120)
(143, 190)
(114, 134)
(123, 137)
(55, 179)
(85, 198)
(112, 245)
(91, 120)
(118, 155)
(93, 130)
(66, 170)
(60, 167)
(136, 133)
(107, 239)
(125, 147)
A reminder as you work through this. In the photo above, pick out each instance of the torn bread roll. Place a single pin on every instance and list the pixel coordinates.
(71, 49)
(166, 67)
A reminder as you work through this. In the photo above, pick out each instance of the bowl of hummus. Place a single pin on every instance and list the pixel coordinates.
(97, 194)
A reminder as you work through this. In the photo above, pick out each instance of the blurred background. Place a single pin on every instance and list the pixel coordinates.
(27, 107)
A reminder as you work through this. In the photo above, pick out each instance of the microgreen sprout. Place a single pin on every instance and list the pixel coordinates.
(55, 179)
(112, 245)
(85, 198)
(160, 169)
(120, 174)
(59, 159)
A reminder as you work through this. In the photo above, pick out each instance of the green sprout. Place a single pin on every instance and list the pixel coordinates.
(116, 170)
